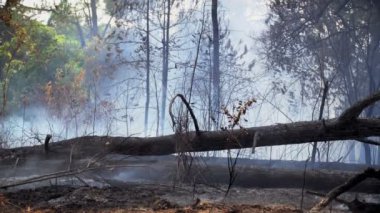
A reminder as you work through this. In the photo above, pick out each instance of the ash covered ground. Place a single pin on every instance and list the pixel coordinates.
(152, 184)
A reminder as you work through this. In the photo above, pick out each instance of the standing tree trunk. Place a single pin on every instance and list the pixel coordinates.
(146, 120)
(94, 19)
(80, 33)
(325, 85)
(215, 68)
(165, 70)
(323, 101)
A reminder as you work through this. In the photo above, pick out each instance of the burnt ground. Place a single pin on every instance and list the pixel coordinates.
(153, 189)
(132, 198)
(158, 198)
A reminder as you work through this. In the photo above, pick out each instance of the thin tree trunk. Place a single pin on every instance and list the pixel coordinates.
(157, 106)
(94, 18)
(126, 111)
(80, 33)
(146, 120)
(95, 106)
(165, 70)
(215, 70)
(324, 97)
(197, 53)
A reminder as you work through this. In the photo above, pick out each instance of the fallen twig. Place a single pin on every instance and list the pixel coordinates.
(59, 174)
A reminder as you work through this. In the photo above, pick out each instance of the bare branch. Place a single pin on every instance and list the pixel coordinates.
(37, 8)
(188, 108)
(354, 111)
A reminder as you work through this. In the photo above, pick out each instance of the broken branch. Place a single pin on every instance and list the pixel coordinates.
(354, 111)
(333, 194)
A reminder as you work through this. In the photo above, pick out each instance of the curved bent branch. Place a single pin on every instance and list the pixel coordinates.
(354, 111)
(188, 108)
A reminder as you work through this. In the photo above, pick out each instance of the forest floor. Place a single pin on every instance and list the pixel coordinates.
(133, 197)
(152, 189)
(141, 198)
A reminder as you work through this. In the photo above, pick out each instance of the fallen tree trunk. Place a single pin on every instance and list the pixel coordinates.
(347, 126)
